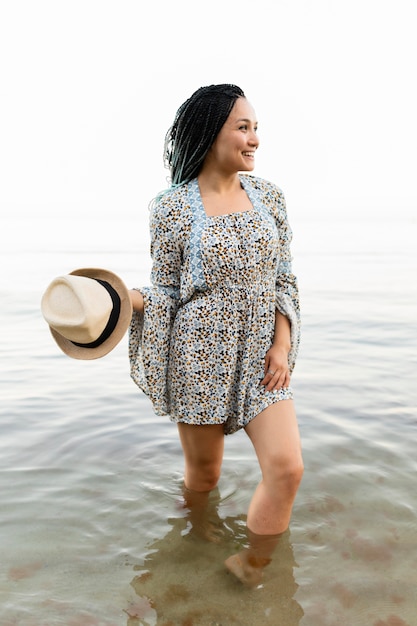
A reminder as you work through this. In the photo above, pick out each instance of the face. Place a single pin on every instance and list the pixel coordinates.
(235, 145)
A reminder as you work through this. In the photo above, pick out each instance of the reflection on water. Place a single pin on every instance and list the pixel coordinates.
(183, 580)
(93, 530)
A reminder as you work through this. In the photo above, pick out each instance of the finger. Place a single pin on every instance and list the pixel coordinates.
(283, 380)
(268, 377)
(280, 379)
(274, 381)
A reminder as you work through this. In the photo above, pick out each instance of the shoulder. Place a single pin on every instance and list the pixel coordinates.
(169, 201)
(171, 205)
(170, 213)
(271, 195)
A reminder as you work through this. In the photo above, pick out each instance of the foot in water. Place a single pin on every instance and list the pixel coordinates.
(248, 564)
(246, 568)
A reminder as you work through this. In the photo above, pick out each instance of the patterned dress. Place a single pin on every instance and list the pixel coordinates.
(198, 350)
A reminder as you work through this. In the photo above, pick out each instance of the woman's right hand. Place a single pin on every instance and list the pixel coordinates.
(136, 299)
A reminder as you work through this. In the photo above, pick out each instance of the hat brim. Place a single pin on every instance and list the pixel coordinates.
(80, 352)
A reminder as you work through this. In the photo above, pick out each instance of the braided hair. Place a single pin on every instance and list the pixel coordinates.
(197, 123)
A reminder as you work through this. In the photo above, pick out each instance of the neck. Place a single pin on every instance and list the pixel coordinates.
(217, 182)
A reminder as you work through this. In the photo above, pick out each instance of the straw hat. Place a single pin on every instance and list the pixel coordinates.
(88, 312)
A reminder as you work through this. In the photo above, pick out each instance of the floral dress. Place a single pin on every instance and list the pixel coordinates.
(198, 350)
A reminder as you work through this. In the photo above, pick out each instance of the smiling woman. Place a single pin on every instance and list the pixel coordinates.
(233, 150)
(213, 342)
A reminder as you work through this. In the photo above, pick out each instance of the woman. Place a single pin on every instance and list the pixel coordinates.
(213, 342)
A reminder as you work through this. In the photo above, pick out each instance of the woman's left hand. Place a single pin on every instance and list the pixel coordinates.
(276, 371)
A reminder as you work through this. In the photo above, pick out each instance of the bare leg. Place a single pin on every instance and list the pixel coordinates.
(203, 453)
(203, 514)
(275, 437)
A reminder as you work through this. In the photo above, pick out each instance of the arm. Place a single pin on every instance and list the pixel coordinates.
(276, 370)
(280, 358)
(166, 261)
(155, 308)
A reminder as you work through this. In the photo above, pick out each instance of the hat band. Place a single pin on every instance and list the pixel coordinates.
(113, 319)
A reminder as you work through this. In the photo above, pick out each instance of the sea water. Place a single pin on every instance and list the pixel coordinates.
(93, 527)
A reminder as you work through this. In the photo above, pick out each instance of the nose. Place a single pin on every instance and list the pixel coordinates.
(253, 139)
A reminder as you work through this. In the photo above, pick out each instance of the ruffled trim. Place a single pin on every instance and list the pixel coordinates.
(149, 342)
(285, 306)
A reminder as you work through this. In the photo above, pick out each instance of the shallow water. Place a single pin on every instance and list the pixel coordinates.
(92, 528)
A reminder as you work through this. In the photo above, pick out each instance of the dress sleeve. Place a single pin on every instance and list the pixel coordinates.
(150, 332)
(287, 295)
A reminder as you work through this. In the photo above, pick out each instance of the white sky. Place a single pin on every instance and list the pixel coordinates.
(88, 89)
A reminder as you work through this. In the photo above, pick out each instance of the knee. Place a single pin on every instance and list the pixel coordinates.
(287, 472)
(296, 471)
(202, 478)
(209, 479)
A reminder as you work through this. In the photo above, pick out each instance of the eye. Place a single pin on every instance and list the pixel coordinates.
(245, 128)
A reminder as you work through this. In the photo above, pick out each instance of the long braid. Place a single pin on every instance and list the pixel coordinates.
(197, 123)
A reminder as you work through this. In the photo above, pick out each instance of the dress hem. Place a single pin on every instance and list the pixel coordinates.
(275, 397)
